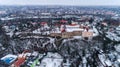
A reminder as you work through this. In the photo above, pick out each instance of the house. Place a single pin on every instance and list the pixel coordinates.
(104, 23)
(43, 23)
(32, 60)
(63, 21)
(20, 61)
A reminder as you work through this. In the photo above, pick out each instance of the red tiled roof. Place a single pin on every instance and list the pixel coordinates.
(73, 24)
(19, 62)
(63, 21)
(43, 23)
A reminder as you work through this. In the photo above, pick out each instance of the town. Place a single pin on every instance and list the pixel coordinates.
(59, 36)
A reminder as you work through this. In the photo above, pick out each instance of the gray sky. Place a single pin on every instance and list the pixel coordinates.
(60, 2)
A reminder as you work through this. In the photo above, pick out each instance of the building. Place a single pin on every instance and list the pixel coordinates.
(87, 34)
(67, 35)
(77, 33)
(21, 59)
(32, 60)
(55, 34)
(72, 27)
(75, 30)
(104, 23)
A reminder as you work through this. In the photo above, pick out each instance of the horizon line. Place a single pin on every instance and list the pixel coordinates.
(51, 5)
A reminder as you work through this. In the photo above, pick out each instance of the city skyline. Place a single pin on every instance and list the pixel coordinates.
(61, 2)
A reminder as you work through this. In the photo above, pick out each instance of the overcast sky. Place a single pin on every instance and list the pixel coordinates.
(60, 2)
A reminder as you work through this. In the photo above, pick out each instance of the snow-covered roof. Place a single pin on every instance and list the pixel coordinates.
(9, 55)
(73, 26)
(118, 60)
(113, 36)
(102, 58)
(63, 21)
(9, 58)
(74, 29)
(43, 23)
(108, 62)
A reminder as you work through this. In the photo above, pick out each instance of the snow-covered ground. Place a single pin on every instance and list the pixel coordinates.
(37, 31)
(51, 60)
(10, 33)
(43, 30)
(117, 47)
(96, 33)
(77, 37)
(114, 58)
